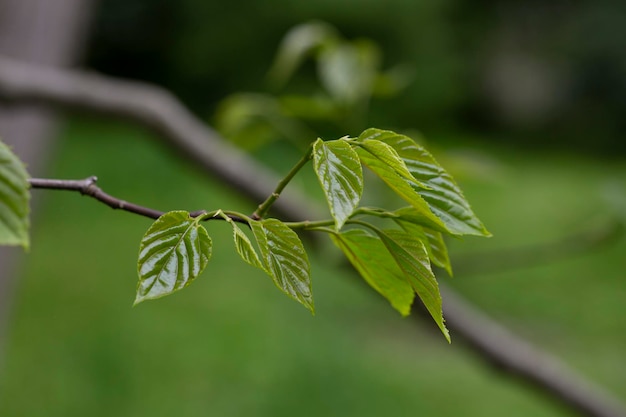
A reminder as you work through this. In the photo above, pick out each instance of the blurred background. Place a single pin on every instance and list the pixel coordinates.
(522, 102)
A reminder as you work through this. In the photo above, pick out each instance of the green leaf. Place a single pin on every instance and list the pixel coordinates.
(14, 199)
(436, 246)
(372, 260)
(386, 164)
(253, 120)
(245, 119)
(407, 214)
(438, 250)
(380, 154)
(393, 81)
(347, 70)
(340, 174)
(244, 247)
(317, 107)
(299, 43)
(411, 256)
(172, 253)
(284, 259)
(443, 194)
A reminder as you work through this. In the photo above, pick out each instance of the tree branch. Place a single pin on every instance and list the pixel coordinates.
(89, 188)
(160, 111)
(154, 108)
(516, 357)
(581, 243)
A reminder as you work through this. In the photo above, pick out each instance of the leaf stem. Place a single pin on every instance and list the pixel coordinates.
(309, 225)
(265, 206)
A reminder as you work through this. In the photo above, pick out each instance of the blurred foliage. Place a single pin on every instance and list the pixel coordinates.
(539, 73)
(348, 77)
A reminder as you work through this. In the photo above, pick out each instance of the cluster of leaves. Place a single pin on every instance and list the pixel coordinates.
(349, 75)
(395, 261)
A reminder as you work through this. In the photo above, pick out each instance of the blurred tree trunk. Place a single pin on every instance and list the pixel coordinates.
(46, 32)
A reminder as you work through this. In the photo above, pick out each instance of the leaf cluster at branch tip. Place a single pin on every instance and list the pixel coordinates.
(395, 260)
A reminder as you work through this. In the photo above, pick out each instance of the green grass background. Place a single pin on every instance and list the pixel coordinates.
(232, 345)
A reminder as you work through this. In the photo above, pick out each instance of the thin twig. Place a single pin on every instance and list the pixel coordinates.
(88, 187)
(153, 107)
(265, 206)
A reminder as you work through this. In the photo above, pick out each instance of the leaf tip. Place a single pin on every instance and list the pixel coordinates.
(403, 309)
(138, 299)
(446, 334)
(307, 302)
(25, 243)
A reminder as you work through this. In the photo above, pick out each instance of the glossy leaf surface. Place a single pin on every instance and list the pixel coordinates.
(379, 153)
(411, 256)
(435, 245)
(443, 194)
(284, 259)
(340, 174)
(385, 163)
(14, 199)
(244, 247)
(372, 260)
(172, 253)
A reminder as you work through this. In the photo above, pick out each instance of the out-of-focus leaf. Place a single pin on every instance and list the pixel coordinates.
(317, 107)
(253, 120)
(244, 119)
(14, 199)
(411, 256)
(339, 171)
(298, 43)
(172, 253)
(348, 69)
(443, 195)
(284, 259)
(372, 260)
(393, 81)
